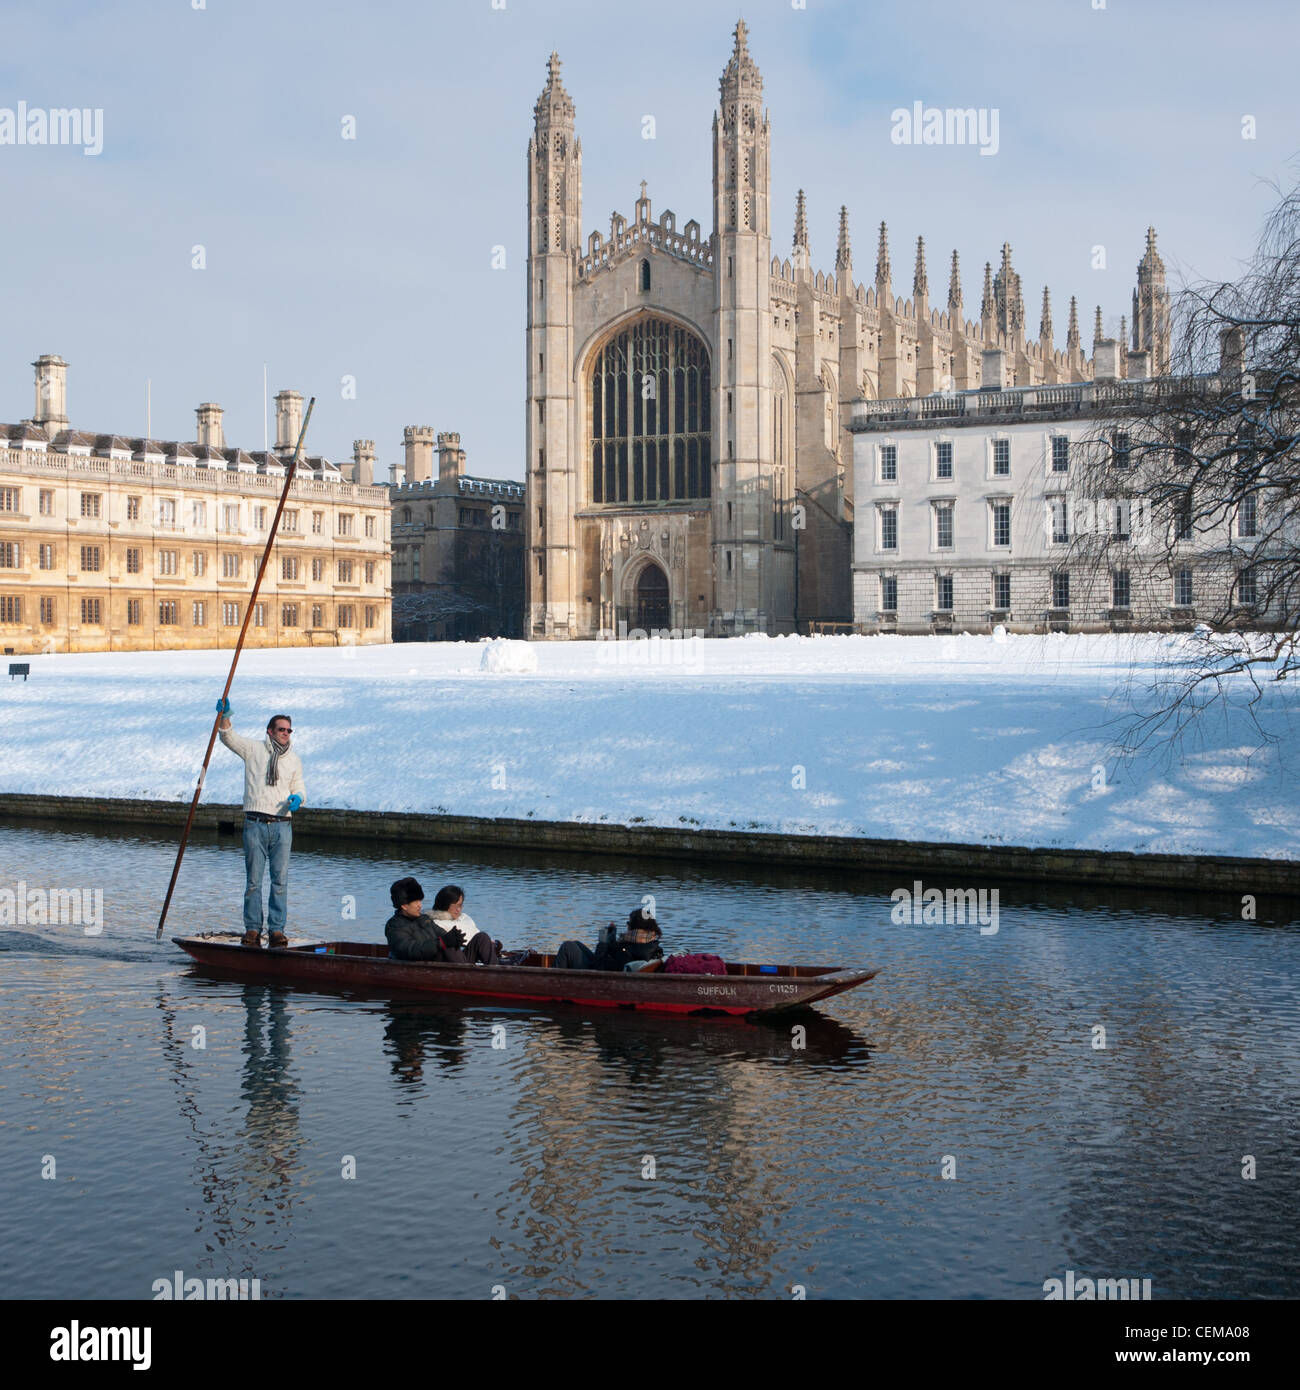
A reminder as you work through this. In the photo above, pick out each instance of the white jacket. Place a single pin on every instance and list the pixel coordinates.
(256, 753)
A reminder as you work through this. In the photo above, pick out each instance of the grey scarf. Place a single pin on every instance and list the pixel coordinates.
(273, 766)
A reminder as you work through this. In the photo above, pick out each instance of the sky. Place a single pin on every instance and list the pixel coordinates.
(371, 259)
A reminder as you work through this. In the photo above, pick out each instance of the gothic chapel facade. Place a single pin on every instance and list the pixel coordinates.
(689, 396)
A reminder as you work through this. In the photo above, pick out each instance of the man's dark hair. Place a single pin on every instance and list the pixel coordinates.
(639, 919)
(446, 896)
(288, 719)
(406, 890)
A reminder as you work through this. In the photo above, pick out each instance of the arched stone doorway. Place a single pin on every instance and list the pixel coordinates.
(651, 607)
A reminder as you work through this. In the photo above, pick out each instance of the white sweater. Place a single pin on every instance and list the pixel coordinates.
(256, 753)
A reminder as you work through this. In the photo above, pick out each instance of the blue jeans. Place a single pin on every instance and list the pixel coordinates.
(266, 841)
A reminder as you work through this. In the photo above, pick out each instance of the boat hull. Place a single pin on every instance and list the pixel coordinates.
(743, 990)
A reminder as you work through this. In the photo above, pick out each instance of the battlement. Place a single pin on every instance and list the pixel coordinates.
(626, 240)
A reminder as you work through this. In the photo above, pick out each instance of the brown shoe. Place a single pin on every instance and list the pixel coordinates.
(251, 938)
(277, 940)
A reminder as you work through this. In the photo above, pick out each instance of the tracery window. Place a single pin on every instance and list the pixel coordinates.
(650, 416)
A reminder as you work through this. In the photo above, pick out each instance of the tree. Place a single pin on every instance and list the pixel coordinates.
(1189, 484)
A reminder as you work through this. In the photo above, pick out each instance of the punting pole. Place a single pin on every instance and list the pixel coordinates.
(239, 646)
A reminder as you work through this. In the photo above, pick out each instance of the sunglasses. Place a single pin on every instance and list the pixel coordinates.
(282, 729)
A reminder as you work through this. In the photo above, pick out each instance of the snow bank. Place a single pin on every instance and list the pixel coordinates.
(969, 739)
(506, 657)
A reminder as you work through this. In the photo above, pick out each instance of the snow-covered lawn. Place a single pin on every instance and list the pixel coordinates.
(962, 738)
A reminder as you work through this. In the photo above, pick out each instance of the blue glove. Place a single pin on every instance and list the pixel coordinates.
(223, 706)
(294, 802)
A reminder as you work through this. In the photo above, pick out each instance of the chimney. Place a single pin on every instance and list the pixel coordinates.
(288, 420)
(396, 475)
(51, 393)
(1139, 364)
(1105, 359)
(451, 457)
(363, 462)
(210, 432)
(418, 443)
(1232, 353)
(993, 370)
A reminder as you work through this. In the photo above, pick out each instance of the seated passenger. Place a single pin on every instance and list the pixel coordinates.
(634, 950)
(414, 935)
(449, 911)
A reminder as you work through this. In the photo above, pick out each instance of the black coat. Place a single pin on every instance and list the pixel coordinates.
(616, 954)
(420, 938)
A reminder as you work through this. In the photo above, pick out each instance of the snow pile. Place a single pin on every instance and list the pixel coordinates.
(504, 657)
(974, 739)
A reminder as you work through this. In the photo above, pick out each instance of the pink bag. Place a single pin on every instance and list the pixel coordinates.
(700, 964)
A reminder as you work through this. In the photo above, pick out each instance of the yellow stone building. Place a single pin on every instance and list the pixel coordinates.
(116, 544)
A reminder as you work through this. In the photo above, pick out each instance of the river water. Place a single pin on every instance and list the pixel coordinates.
(957, 1128)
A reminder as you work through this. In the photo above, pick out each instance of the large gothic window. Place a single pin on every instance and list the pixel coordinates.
(650, 428)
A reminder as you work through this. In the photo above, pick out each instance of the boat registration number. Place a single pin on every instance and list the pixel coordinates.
(783, 989)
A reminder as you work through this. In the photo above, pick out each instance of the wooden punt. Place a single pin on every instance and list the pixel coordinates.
(745, 989)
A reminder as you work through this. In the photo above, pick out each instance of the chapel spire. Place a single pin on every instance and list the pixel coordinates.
(844, 254)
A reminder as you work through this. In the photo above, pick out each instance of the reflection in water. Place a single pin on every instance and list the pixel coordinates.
(249, 1179)
(415, 1028)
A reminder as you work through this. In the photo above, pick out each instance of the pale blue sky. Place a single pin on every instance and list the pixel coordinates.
(373, 257)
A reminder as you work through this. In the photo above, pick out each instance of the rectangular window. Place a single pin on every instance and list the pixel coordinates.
(1123, 510)
(133, 509)
(345, 615)
(259, 615)
(1119, 589)
(889, 463)
(289, 615)
(943, 525)
(1120, 452)
(200, 562)
(1060, 453)
(1002, 591)
(10, 497)
(91, 559)
(345, 571)
(1001, 523)
(288, 567)
(45, 502)
(167, 613)
(370, 526)
(166, 562)
(200, 614)
(1061, 589)
(10, 555)
(1247, 518)
(133, 560)
(318, 569)
(46, 553)
(372, 616)
(943, 592)
(230, 516)
(166, 511)
(345, 523)
(1183, 517)
(134, 611)
(317, 523)
(199, 515)
(888, 528)
(259, 518)
(90, 504)
(230, 615)
(47, 612)
(415, 564)
(888, 594)
(229, 565)
(1247, 588)
(943, 459)
(1001, 458)
(1183, 588)
(11, 608)
(289, 521)
(90, 611)
(317, 615)
(1060, 521)
(370, 571)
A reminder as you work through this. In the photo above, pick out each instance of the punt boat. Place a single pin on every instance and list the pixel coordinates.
(746, 989)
